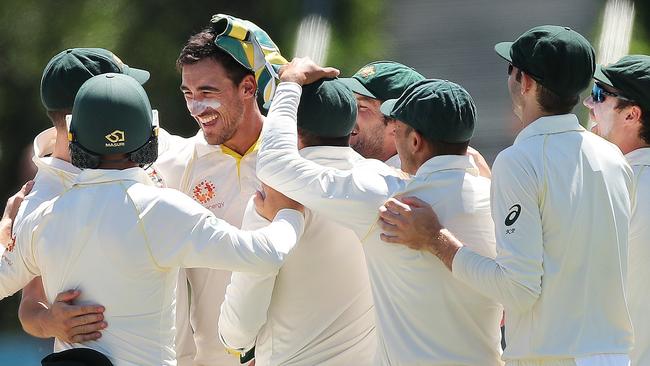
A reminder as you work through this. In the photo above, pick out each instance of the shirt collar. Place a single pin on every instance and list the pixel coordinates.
(340, 157)
(97, 176)
(394, 162)
(204, 148)
(448, 162)
(549, 125)
(639, 156)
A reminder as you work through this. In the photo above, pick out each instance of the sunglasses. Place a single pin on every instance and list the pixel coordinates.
(598, 94)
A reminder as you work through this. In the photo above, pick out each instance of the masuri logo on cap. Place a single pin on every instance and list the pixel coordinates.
(382, 80)
(69, 69)
(438, 109)
(559, 58)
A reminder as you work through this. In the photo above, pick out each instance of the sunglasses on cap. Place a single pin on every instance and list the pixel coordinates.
(598, 94)
(535, 77)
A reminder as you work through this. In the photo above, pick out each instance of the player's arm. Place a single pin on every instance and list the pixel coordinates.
(514, 277)
(10, 212)
(60, 319)
(197, 239)
(248, 297)
(349, 197)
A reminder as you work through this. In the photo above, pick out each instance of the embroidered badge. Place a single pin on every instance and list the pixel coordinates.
(203, 192)
(366, 71)
(155, 177)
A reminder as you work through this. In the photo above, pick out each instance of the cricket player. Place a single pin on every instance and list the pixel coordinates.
(62, 78)
(373, 135)
(109, 235)
(224, 68)
(423, 316)
(619, 104)
(561, 209)
(302, 315)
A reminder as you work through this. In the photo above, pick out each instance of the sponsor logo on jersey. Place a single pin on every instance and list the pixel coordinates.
(155, 177)
(203, 192)
(115, 138)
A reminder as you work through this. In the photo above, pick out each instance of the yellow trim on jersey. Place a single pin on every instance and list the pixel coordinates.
(228, 151)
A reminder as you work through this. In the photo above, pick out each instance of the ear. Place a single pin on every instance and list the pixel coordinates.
(391, 127)
(248, 87)
(633, 114)
(527, 83)
(416, 141)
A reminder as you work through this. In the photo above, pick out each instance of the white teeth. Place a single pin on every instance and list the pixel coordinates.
(208, 118)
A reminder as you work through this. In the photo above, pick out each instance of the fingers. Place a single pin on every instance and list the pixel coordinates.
(27, 187)
(79, 310)
(87, 320)
(258, 200)
(330, 72)
(85, 337)
(390, 218)
(397, 206)
(412, 201)
(67, 296)
(389, 238)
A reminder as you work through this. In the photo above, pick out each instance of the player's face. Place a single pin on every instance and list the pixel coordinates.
(609, 120)
(213, 100)
(372, 137)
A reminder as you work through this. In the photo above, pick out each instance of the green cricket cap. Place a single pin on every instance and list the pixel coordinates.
(327, 108)
(382, 80)
(559, 58)
(630, 76)
(111, 115)
(252, 47)
(68, 70)
(439, 109)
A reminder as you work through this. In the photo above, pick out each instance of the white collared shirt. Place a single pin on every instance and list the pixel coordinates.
(318, 309)
(561, 208)
(424, 315)
(120, 240)
(639, 272)
(222, 181)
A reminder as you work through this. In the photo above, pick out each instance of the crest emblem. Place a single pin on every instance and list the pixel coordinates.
(366, 71)
(203, 192)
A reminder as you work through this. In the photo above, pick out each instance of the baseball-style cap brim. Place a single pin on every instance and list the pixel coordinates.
(142, 76)
(503, 50)
(387, 107)
(601, 77)
(356, 87)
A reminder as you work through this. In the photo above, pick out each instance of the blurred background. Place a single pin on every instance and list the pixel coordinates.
(447, 39)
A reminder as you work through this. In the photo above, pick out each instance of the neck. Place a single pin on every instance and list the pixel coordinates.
(388, 154)
(248, 131)
(532, 114)
(630, 145)
(61, 150)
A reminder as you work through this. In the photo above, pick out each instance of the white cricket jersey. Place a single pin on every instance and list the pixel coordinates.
(561, 208)
(424, 315)
(318, 309)
(54, 175)
(638, 298)
(120, 240)
(222, 181)
(394, 162)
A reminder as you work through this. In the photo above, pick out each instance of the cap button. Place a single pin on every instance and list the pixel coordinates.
(68, 50)
(567, 28)
(110, 76)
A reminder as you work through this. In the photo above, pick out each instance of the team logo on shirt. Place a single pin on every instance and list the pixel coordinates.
(513, 215)
(155, 177)
(203, 192)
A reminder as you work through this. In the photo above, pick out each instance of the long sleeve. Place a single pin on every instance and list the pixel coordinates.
(248, 297)
(17, 263)
(514, 277)
(182, 233)
(350, 197)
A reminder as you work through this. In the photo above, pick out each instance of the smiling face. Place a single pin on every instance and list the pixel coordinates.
(215, 102)
(372, 137)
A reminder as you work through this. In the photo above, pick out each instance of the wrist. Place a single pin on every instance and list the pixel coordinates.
(445, 246)
(292, 78)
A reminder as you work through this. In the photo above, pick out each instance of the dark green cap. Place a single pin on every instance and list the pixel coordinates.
(630, 76)
(382, 80)
(111, 115)
(439, 109)
(327, 108)
(67, 71)
(559, 58)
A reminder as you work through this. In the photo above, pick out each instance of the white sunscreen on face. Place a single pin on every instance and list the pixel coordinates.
(198, 107)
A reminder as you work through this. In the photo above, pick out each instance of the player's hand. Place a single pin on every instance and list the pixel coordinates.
(408, 221)
(73, 323)
(303, 70)
(11, 210)
(270, 201)
(481, 164)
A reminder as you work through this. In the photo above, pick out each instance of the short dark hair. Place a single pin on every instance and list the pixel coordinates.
(551, 102)
(311, 139)
(644, 132)
(201, 45)
(443, 148)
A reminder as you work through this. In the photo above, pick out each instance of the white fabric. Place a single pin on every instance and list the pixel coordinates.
(638, 298)
(110, 236)
(561, 208)
(318, 310)
(595, 360)
(222, 182)
(394, 161)
(424, 316)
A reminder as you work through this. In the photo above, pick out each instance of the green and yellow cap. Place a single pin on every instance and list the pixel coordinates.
(68, 70)
(438, 109)
(252, 47)
(327, 108)
(111, 115)
(382, 80)
(557, 57)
